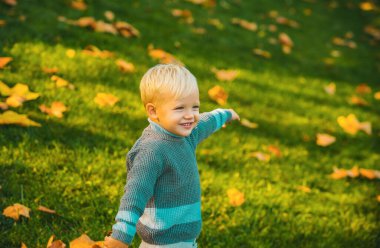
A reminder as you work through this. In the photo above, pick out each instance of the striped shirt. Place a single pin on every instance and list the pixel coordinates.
(161, 200)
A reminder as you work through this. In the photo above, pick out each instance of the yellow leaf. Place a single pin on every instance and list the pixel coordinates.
(367, 6)
(3, 106)
(55, 244)
(330, 88)
(324, 139)
(23, 245)
(86, 21)
(236, 197)
(363, 89)
(251, 26)
(260, 156)
(377, 95)
(109, 15)
(354, 172)
(378, 198)
(46, 210)
(225, 75)
(304, 188)
(262, 53)
(247, 123)
(78, 5)
(10, 117)
(4, 89)
(60, 82)
(70, 53)
(14, 101)
(338, 173)
(96, 52)
(4, 61)
(216, 23)
(104, 99)
(186, 15)
(56, 109)
(50, 70)
(350, 124)
(16, 210)
(125, 66)
(85, 241)
(218, 94)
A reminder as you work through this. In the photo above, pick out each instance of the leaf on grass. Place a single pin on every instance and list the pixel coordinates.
(104, 27)
(235, 197)
(378, 198)
(10, 2)
(251, 26)
(126, 29)
(12, 118)
(363, 89)
(304, 188)
(216, 23)
(344, 42)
(225, 75)
(247, 123)
(286, 42)
(70, 53)
(358, 101)
(274, 150)
(46, 210)
(16, 210)
(260, 156)
(4, 61)
(85, 241)
(55, 243)
(287, 22)
(78, 5)
(355, 172)
(206, 3)
(198, 30)
(96, 52)
(109, 15)
(185, 14)
(56, 109)
(23, 245)
(104, 99)
(330, 88)
(18, 94)
(125, 66)
(324, 139)
(262, 53)
(351, 125)
(3, 106)
(377, 95)
(367, 6)
(338, 174)
(164, 57)
(218, 94)
(60, 82)
(48, 70)
(372, 31)
(370, 174)
(2, 23)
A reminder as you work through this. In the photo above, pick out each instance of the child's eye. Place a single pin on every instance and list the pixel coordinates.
(195, 107)
(178, 108)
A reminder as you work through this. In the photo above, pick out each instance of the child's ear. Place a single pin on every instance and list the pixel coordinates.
(151, 111)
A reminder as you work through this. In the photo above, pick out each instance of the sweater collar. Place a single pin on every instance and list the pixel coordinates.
(156, 127)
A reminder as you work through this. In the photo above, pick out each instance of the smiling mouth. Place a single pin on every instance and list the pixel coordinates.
(187, 125)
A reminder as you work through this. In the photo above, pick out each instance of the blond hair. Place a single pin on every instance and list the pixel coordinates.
(166, 78)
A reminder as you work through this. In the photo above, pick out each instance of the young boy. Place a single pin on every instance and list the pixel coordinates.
(162, 194)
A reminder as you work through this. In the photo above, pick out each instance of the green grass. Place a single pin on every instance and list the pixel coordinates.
(76, 165)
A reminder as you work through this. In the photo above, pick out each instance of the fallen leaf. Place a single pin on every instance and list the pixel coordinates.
(104, 99)
(275, 151)
(46, 210)
(372, 31)
(2, 23)
(370, 174)
(206, 3)
(70, 53)
(10, 2)
(96, 52)
(286, 42)
(198, 30)
(50, 70)
(358, 101)
(285, 21)
(354, 172)
(338, 174)
(260, 156)
(109, 15)
(16, 210)
(235, 197)
(103, 27)
(324, 139)
(3, 106)
(185, 14)
(23, 245)
(247, 123)
(351, 125)
(78, 5)
(251, 26)
(363, 89)
(216, 23)
(377, 95)
(60, 82)
(330, 88)
(262, 53)
(378, 198)
(304, 188)
(9, 117)
(367, 6)
(4, 61)
(125, 66)
(164, 57)
(55, 243)
(85, 241)
(126, 29)
(56, 109)
(218, 94)
(225, 75)
(86, 21)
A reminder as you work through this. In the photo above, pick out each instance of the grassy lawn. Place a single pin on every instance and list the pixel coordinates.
(76, 164)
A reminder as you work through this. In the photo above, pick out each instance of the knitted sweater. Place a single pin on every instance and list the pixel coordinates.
(161, 200)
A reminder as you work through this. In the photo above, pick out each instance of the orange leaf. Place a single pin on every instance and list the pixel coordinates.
(377, 95)
(363, 89)
(354, 172)
(236, 197)
(285, 40)
(103, 27)
(186, 15)
(55, 244)
(338, 173)
(247, 123)
(16, 210)
(78, 5)
(125, 66)
(324, 139)
(96, 52)
(260, 156)
(50, 70)
(4, 61)
(85, 241)
(126, 29)
(225, 75)
(56, 109)
(262, 53)
(104, 99)
(251, 26)
(370, 174)
(330, 88)
(285, 21)
(304, 188)
(218, 94)
(378, 198)
(10, 2)
(367, 6)
(275, 151)
(164, 57)
(10, 117)
(358, 101)
(109, 15)
(86, 21)
(46, 210)
(23, 245)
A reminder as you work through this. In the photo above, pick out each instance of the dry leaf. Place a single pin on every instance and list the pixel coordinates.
(363, 89)
(55, 244)
(285, 21)
(4, 61)
(218, 94)
(377, 95)
(85, 241)
(96, 52)
(16, 210)
(262, 53)
(56, 109)
(378, 198)
(351, 125)
(185, 14)
(338, 173)
(324, 139)
(354, 172)
(373, 31)
(86, 21)
(304, 188)
(216, 23)
(367, 6)
(10, 117)
(126, 29)
(164, 57)
(78, 5)
(125, 66)
(330, 88)
(275, 151)
(206, 3)
(366, 127)
(109, 15)
(60, 82)
(104, 99)
(260, 156)
(103, 27)
(247, 123)
(3, 106)
(358, 101)
(198, 30)
(370, 174)
(225, 75)
(235, 197)
(286, 42)
(50, 70)
(46, 210)
(251, 26)
(23, 245)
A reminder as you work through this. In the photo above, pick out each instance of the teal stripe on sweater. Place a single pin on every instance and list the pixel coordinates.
(127, 216)
(125, 228)
(165, 218)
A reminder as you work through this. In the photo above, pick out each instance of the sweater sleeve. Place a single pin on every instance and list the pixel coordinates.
(209, 123)
(144, 169)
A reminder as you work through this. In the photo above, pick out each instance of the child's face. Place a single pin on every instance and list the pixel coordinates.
(178, 116)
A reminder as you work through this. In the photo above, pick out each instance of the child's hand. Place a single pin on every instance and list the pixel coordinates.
(235, 116)
(110, 242)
